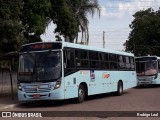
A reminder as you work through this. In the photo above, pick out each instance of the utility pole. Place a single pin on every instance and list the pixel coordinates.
(103, 39)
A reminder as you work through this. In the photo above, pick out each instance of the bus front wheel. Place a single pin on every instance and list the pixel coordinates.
(81, 94)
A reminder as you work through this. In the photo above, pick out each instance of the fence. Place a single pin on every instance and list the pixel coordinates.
(5, 82)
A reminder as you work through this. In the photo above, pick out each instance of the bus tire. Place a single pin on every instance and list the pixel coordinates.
(119, 88)
(81, 94)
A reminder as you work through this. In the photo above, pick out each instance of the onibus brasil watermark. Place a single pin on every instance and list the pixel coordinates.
(21, 114)
(103, 114)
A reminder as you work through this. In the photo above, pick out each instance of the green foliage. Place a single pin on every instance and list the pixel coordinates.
(63, 17)
(35, 18)
(81, 9)
(144, 39)
(71, 15)
(10, 25)
(23, 21)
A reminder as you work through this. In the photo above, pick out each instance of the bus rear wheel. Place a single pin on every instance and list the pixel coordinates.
(81, 94)
(120, 88)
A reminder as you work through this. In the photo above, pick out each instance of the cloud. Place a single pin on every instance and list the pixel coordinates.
(110, 14)
(118, 9)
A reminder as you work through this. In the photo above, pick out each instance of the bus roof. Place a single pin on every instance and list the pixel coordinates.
(148, 56)
(72, 45)
(85, 47)
(158, 58)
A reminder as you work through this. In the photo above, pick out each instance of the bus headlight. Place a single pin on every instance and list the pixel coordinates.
(58, 84)
(155, 77)
(19, 86)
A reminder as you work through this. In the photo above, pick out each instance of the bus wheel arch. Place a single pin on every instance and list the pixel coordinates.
(120, 88)
(82, 92)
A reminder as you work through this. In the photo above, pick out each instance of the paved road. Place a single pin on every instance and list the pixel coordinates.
(136, 99)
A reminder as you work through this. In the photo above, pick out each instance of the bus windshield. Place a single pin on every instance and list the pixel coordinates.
(146, 68)
(40, 66)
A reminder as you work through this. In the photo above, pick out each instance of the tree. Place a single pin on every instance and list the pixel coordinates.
(35, 18)
(81, 8)
(144, 39)
(62, 15)
(71, 15)
(23, 21)
(11, 28)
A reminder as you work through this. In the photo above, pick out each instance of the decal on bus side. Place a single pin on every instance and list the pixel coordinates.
(105, 75)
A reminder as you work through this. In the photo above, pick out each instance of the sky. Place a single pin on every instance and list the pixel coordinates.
(114, 21)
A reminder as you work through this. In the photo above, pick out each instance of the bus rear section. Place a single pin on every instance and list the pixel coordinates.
(147, 69)
(88, 71)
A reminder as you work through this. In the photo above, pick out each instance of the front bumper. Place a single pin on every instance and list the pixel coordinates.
(57, 94)
(146, 80)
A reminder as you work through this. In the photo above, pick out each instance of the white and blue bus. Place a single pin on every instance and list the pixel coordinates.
(60, 70)
(148, 70)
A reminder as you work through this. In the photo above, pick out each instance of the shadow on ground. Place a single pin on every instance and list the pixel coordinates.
(147, 87)
(53, 103)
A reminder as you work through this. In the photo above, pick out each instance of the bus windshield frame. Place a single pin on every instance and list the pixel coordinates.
(43, 66)
(146, 67)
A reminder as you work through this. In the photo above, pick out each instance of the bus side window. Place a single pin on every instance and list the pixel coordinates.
(128, 65)
(69, 61)
(94, 60)
(81, 58)
(121, 62)
(113, 61)
(104, 61)
(132, 63)
(107, 65)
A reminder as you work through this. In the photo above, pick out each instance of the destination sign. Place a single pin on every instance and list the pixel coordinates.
(40, 47)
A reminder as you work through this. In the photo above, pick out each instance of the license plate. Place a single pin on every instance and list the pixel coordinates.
(36, 96)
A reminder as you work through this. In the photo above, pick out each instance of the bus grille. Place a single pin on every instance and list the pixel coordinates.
(37, 88)
(146, 78)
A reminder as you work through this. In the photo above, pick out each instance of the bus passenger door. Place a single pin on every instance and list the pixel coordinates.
(69, 73)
